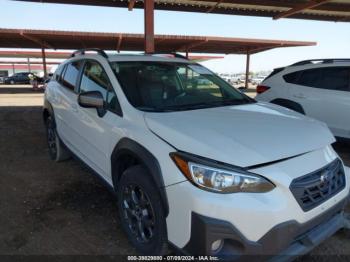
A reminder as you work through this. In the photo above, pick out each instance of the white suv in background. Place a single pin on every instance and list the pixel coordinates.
(194, 162)
(316, 88)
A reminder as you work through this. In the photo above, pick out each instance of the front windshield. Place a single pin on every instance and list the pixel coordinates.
(168, 86)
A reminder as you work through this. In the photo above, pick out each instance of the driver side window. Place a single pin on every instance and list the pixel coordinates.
(194, 82)
(94, 78)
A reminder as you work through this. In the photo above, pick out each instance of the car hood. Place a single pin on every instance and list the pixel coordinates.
(244, 135)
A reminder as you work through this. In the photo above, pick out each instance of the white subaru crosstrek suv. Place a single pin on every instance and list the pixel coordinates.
(194, 162)
(317, 88)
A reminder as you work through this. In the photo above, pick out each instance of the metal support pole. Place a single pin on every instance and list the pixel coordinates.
(28, 63)
(149, 25)
(43, 55)
(13, 68)
(247, 70)
(186, 67)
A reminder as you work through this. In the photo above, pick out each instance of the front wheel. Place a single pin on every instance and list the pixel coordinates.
(141, 212)
(57, 150)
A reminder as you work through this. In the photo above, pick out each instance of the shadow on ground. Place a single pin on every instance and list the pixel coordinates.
(47, 207)
(18, 90)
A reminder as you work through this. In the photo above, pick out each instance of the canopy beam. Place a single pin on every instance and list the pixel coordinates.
(300, 8)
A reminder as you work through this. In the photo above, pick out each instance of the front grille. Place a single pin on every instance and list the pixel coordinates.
(313, 189)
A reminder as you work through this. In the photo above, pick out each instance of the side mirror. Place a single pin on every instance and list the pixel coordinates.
(93, 99)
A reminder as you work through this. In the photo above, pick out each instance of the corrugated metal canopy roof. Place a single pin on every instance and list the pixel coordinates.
(65, 55)
(327, 10)
(17, 38)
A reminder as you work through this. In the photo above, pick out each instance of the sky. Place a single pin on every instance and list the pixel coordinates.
(333, 39)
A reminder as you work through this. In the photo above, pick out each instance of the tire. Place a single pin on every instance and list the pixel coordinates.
(57, 149)
(141, 212)
(12, 82)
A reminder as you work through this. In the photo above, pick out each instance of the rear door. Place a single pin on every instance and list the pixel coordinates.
(66, 104)
(324, 93)
(16, 78)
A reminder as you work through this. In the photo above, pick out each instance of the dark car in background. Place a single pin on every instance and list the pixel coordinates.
(18, 78)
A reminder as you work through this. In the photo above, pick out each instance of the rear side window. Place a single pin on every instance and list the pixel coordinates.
(311, 77)
(336, 78)
(71, 74)
(332, 78)
(292, 78)
(58, 73)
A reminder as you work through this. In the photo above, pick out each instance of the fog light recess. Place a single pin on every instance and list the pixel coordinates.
(217, 245)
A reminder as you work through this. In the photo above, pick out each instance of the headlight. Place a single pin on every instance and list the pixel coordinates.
(215, 177)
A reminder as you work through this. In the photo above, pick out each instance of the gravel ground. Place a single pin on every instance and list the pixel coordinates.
(48, 208)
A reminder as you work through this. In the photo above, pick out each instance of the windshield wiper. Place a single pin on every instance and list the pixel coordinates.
(234, 101)
(207, 104)
(152, 109)
(201, 105)
(188, 106)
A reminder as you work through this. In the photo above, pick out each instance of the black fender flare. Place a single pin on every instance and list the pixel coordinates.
(130, 147)
(47, 109)
(289, 104)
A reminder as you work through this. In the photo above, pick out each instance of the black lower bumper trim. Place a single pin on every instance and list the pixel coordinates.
(287, 239)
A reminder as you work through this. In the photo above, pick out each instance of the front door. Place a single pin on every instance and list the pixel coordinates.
(95, 131)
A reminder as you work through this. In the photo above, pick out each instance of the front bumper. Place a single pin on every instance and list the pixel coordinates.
(285, 240)
(257, 219)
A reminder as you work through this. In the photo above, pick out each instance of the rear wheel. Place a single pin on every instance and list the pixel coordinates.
(57, 150)
(141, 212)
(12, 82)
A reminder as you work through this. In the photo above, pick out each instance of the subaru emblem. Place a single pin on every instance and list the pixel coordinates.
(324, 178)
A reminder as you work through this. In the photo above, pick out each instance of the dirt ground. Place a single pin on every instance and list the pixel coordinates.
(49, 208)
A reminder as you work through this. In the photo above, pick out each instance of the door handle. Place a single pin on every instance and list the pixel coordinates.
(74, 108)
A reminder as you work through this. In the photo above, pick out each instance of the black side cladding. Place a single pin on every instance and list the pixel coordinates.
(288, 104)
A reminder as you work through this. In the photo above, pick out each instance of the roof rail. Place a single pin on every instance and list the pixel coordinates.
(177, 55)
(82, 52)
(322, 61)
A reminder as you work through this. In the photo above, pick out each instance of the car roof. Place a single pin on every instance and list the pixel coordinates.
(310, 64)
(315, 63)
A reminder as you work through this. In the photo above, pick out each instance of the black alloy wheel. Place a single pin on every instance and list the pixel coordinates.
(139, 213)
